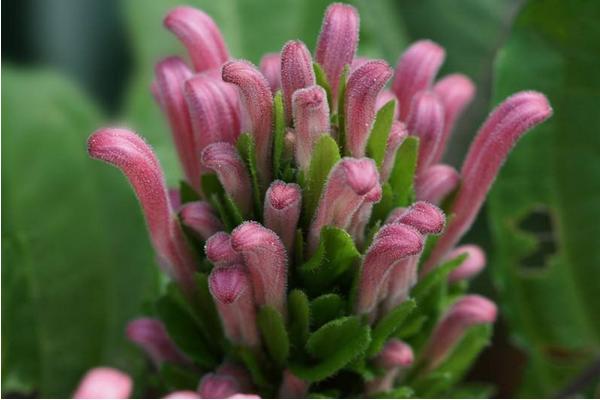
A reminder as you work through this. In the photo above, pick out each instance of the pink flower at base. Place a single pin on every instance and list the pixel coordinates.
(349, 183)
(392, 244)
(311, 120)
(265, 257)
(505, 125)
(455, 92)
(466, 312)
(436, 183)
(127, 151)
(362, 91)
(171, 74)
(219, 252)
(257, 101)
(151, 336)
(292, 387)
(337, 42)
(415, 72)
(200, 35)
(471, 266)
(426, 121)
(270, 67)
(225, 161)
(104, 383)
(201, 219)
(282, 210)
(395, 358)
(296, 73)
(183, 394)
(217, 386)
(230, 287)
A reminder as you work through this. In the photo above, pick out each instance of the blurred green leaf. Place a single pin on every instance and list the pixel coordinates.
(544, 208)
(77, 263)
(299, 318)
(275, 337)
(325, 308)
(403, 174)
(388, 325)
(380, 132)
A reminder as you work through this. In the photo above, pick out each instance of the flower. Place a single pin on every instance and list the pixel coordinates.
(294, 229)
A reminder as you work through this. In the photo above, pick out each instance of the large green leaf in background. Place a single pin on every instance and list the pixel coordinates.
(76, 260)
(544, 208)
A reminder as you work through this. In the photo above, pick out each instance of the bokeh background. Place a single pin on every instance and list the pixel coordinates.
(77, 262)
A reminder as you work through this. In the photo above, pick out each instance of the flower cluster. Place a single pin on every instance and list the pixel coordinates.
(308, 245)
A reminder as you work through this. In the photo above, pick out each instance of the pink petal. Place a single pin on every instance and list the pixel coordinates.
(270, 67)
(436, 183)
(216, 386)
(426, 121)
(311, 120)
(398, 134)
(219, 252)
(473, 264)
(151, 336)
(201, 219)
(296, 72)
(282, 211)
(104, 383)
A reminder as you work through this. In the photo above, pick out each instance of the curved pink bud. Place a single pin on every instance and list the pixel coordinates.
(311, 120)
(473, 264)
(201, 218)
(200, 35)
(505, 125)
(214, 111)
(258, 103)
(282, 210)
(183, 394)
(466, 312)
(230, 286)
(296, 72)
(337, 42)
(219, 252)
(292, 387)
(216, 386)
(224, 159)
(436, 182)
(455, 92)
(391, 245)
(385, 96)
(401, 280)
(270, 67)
(425, 217)
(426, 121)
(415, 72)
(104, 383)
(395, 358)
(128, 152)
(265, 257)
(349, 183)
(395, 139)
(362, 91)
(151, 336)
(171, 74)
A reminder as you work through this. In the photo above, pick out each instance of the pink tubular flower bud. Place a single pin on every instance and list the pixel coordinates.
(151, 336)
(282, 210)
(200, 217)
(200, 35)
(127, 151)
(217, 386)
(425, 217)
(455, 92)
(337, 42)
(471, 266)
(258, 104)
(292, 387)
(395, 358)
(183, 394)
(505, 125)
(349, 183)
(219, 252)
(214, 110)
(230, 287)
(104, 383)
(265, 257)
(171, 73)
(311, 120)
(391, 245)
(270, 67)
(415, 72)
(362, 91)
(296, 72)
(395, 139)
(426, 121)
(224, 159)
(436, 182)
(466, 312)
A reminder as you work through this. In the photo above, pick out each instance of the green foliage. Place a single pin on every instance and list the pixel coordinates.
(247, 149)
(325, 308)
(278, 134)
(388, 325)
(275, 337)
(321, 80)
(550, 188)
(402, 176)
(73, 271)
(299, 319)
(380, 132)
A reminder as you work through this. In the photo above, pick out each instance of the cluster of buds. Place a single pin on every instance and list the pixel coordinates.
(252, 263)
